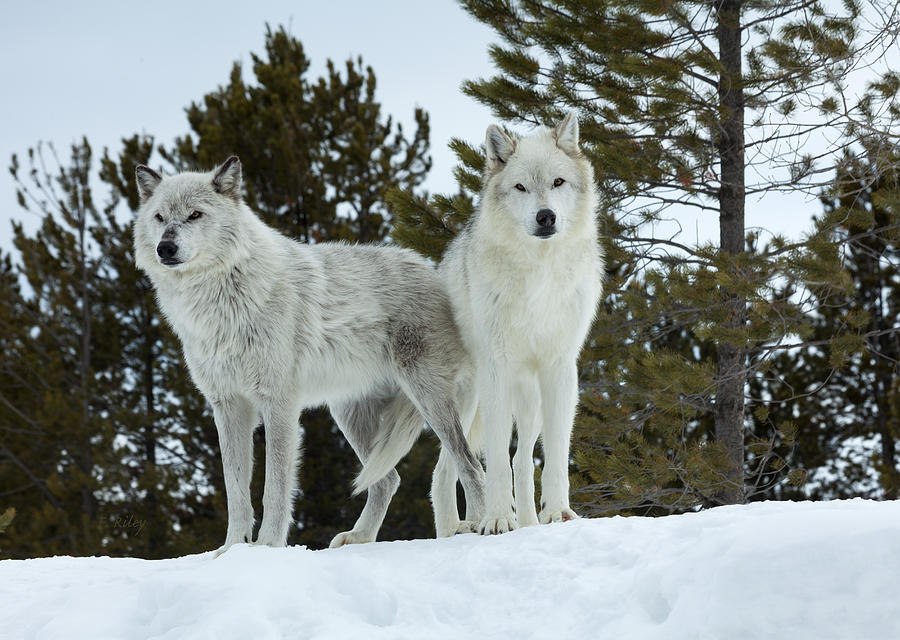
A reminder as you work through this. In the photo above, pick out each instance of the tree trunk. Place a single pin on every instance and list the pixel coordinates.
(731, 372)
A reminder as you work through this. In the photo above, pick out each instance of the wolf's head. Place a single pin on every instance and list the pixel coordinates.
(540, 185)
(189, 220)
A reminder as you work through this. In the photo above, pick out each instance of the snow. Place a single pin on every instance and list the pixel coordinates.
(766, 570)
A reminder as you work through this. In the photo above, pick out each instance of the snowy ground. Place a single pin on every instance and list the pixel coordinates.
(771, 570)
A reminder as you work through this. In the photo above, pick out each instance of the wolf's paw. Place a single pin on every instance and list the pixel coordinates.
(233, 539)
(448, 527)
(272, 534)
(467, 526)
(557, 515)
(492, 525)
(350, 537)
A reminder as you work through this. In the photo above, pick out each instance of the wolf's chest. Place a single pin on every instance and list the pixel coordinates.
(227, 337)
(219, 322)
(540, 311)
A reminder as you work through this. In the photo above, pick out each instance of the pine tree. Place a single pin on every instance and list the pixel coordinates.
(679, 103)
(318, 156)
(274, 128)
(68, 413)
(844, 380)
(24, 465)
(104, 425)
(364, 156)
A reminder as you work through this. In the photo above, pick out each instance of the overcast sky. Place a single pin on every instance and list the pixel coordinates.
(107, 70)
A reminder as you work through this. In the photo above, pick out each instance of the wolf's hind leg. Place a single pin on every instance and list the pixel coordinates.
(359, 423)
(473, 437)
(443, 482)
(443, 496)
(440, 411)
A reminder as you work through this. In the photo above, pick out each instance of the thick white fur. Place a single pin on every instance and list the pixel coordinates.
(270, 326)
(524, 305)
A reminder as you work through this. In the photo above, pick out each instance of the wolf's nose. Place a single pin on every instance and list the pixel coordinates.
(546, 218)
(167, 249)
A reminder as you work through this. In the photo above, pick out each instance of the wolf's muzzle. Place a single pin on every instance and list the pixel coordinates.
(546, 221)
(166, 250)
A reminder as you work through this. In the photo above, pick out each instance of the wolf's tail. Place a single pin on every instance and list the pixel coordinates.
(399, 428)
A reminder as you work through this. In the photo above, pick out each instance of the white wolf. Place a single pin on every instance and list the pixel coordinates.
(270, 326)
(524, 278)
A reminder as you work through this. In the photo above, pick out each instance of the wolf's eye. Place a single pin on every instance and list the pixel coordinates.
(558, 182)
(196, 215)
(158, 218)
(520, 187)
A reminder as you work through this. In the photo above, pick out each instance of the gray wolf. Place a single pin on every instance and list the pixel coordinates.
(270, 326)
(524, 278)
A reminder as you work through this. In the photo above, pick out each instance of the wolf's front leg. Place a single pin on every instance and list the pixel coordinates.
(236, 419)
(282, 425)
(500, 515)
(559, 395)
(528, 426)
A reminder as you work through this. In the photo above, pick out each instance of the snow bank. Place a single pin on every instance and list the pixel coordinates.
(770, 570)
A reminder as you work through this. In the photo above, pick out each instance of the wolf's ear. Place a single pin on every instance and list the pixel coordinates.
(566, 133)
(147, 180)
(227, 180)
(499, 147)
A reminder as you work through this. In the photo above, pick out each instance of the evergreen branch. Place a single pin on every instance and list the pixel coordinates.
(655, 241)
(677, 201)
(37, 481)
(824, 342)
(872, 233)
(697, 37)
(781, 14)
